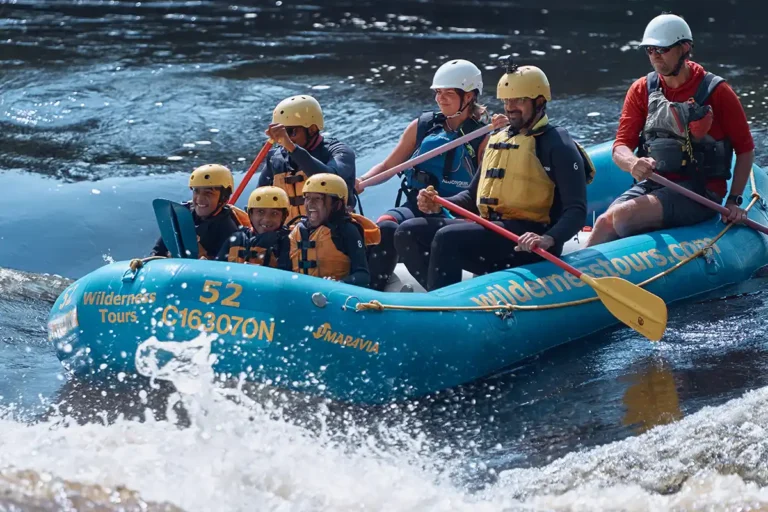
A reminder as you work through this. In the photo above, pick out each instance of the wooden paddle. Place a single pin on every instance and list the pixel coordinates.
(690, 194)
(251, 170)
(641, 310)
(385, 175)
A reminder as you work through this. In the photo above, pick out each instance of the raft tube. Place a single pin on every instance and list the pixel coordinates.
(309, 334)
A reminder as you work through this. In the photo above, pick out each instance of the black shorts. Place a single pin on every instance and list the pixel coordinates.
(678, 209)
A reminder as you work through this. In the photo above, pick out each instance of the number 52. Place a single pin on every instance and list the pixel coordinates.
(211, 293)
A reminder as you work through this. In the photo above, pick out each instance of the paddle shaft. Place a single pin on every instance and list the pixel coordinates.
(385, 175)
(693, 196)
(506, 234)
(251, 170)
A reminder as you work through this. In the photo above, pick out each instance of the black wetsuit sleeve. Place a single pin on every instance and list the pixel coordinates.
(354, 248)
(267, 175)
(159, 249)
(467, 199)
(567, 171)
(342, 161)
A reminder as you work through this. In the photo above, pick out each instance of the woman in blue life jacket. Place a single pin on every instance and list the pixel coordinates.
(457, 85)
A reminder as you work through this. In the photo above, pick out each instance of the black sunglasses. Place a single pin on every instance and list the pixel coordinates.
(661, 50)
(292, 131)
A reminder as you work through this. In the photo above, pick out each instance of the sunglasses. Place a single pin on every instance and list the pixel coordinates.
(660, 50)
(292, 131)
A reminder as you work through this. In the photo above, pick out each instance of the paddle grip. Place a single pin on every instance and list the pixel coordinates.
(385, 175)
(251, 170)
(693, 196)
(505, 233)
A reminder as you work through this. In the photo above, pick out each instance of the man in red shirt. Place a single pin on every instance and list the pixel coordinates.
(697, 161)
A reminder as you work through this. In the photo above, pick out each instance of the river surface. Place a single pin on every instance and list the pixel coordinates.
(105, 105)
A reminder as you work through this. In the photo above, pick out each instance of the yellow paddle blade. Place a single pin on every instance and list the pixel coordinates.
(638, 308)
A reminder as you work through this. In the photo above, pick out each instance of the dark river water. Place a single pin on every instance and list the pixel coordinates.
(105, 105)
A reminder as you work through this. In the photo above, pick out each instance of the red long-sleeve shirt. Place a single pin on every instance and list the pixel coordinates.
(729, 122)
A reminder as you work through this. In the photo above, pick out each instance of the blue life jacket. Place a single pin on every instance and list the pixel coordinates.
(449, 173)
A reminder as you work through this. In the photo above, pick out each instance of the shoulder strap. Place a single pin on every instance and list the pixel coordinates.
(469, 126)
(426, 123)
(707, 86)
(369, 229)
(653, 82)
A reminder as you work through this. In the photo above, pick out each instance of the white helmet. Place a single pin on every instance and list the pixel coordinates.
(666, 30)
(458, 74)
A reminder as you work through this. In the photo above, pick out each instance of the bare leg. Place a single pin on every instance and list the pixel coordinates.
(631, 217)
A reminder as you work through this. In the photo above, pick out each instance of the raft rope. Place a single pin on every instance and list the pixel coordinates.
(135, 265)
(375, 305)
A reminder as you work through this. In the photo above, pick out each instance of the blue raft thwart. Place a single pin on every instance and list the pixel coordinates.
(330, 338)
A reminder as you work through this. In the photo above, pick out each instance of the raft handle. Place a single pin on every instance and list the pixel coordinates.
(135, 265)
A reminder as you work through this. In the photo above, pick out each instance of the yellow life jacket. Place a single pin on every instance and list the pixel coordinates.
(513, 183)
(316, 254)
(293, 184)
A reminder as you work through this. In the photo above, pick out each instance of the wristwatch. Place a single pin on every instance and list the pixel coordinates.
(737, 200)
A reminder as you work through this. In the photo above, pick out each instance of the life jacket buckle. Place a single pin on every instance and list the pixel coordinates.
(423, 177)
(496, 172)
(307, 244)
(292, 179)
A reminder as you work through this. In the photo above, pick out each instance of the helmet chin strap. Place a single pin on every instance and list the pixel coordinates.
(462, 106)
(529, 123)
(679, 66)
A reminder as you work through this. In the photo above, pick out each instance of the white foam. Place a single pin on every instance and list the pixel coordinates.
(244, 455)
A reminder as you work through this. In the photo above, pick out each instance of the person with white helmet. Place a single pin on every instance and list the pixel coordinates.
(686, 124)
(215, 220)
(532, 182)
(302, 151)
(457, 84)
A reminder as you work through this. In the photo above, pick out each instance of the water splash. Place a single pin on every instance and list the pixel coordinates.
(236, 450)
(26, 285)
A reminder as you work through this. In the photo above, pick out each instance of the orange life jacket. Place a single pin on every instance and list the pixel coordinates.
(293, 184)
(316, 254)
(241, 217)
(245, 250)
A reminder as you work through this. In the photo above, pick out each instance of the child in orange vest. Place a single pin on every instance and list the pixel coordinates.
(266, 243)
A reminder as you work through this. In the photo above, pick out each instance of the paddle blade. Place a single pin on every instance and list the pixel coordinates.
(186, 229)
(165, 221)
(637, 308)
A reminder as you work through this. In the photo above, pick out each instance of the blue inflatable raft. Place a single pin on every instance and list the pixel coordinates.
(334, 339)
